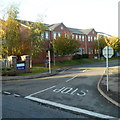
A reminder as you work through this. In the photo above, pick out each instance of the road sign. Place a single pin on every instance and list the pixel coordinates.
(108, 52)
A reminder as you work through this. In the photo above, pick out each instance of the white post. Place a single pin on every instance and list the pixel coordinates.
(107, 72)
(54, 52)
(49, 61)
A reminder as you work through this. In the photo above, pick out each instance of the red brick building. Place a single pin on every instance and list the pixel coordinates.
(86, 37)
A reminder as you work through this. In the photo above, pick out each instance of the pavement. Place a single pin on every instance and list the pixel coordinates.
(112, 95)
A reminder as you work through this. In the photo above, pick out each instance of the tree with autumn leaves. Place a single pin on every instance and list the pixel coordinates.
(66, 46)
(11, 34)
(19, 39)
(112, 41)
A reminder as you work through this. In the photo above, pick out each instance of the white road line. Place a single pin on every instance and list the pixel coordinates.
(63, 71)
(71, 78)
(66, 107)
(5, 92)
(84, 70)
(42, 90)
(16, 95)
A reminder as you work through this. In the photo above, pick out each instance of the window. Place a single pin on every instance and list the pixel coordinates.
(54, 35)
(42, 35)
(79, 37)
(89, 51)
(76, 36)
(46, 35)
(68, 36)
(61, 27)
(65, 35)
(95, 38)
(93, 32)
(91, 38)
(83, 50)
(83, 37)
(72, 36)
(58, 34)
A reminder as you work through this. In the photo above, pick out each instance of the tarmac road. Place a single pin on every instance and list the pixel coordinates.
(18, 107)
(74, 88)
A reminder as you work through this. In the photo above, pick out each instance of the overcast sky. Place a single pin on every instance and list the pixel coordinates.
(102, 15)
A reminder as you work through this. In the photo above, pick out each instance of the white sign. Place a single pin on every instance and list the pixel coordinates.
(108, 52)
(20, 66)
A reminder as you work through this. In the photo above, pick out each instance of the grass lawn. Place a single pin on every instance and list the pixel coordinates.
(76, 62)
(35, 70)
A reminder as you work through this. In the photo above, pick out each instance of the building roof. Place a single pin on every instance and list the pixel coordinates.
(86, 31)
(103, 34)
(50, 27)
(53, 26)
(80, 31)
(74, 30)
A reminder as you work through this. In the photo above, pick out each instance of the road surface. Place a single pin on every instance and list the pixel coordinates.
(74, 90)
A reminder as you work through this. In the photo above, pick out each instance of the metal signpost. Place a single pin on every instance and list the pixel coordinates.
(49, 61)
(107, 53)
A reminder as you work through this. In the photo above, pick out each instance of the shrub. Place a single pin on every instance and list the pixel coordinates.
(76, 57)
(8, 72)
(85, 56)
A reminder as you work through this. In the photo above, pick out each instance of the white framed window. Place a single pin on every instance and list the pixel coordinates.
(76, 36)
(79, 37)
(89, 51)
(83, 37)
(68, 36)
(46, 35)
(72, 36)
(62, 28)
(83, 50)
(95, 38)
(54, 35)
(93, 32)
(91, 38)
(42, 35)
(58, 34)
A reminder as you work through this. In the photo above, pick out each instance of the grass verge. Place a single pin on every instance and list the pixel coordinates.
(40, 68)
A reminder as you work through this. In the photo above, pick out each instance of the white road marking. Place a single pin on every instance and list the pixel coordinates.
(16, 95)
(5, 92)
(66, 90)
(72, 93)
(84, 70)
(58, 90)
(42, 91)
(83, 93)
(71, 78)
(66, 107)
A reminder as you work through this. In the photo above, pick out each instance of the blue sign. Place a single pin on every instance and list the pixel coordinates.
(21, 66)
